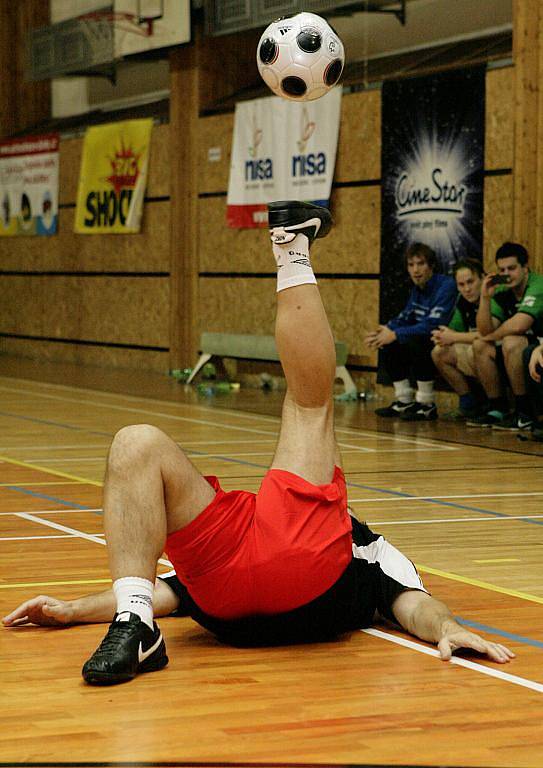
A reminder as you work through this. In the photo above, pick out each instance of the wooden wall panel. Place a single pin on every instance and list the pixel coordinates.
(359, 149)
(498, 216)
(125, 310)
(499, 119)
(352, 306)
(145, 252)
(352, 247)
(215, 134)
(158, 183)
(105, 357)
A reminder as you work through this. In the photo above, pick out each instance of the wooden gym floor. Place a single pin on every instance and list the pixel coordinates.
(464, 505)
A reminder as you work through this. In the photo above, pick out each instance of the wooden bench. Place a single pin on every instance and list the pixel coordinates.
(246, 346)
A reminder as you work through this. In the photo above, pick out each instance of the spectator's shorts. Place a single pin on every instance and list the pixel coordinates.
(464, 359)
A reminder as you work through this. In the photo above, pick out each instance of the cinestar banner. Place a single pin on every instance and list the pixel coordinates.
(113, 178)
(29, 185)
(281, 150)
(432, 174)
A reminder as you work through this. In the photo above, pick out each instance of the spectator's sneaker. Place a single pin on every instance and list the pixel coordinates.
(395, 409)
(459, 415)
(488, 419)
(129, 647)
(514, 422)
(288, 218)
(420, 412)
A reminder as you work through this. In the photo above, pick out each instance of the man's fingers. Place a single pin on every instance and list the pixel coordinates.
(444, 648)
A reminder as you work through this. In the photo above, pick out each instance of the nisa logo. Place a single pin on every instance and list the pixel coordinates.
(311, 164)
(258, 170)
(440, 195)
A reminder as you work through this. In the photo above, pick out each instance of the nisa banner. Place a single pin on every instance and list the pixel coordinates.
(432, 174)
(29, 185)
(113, 178)
(281, 150)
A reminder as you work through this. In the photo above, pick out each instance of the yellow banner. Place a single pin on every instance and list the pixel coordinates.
(113, 178)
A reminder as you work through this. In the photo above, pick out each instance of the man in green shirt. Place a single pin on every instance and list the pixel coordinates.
(510, 316)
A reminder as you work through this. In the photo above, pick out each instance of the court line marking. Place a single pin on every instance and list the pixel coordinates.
(455, 496)
(472, 665)
(68, 460)
(52, 536)
(77, 533)
(455, 520)
(158, 414)
(54, 583)
(55, 472)
(44, 482)
(481, 584)
(54, 511)
(191, 407)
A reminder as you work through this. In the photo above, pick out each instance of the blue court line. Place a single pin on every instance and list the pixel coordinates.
(500, 632)
(46, 497)
(54, 424)
(442, 503)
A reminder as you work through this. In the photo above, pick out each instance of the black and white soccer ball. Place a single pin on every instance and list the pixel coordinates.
(300, 57)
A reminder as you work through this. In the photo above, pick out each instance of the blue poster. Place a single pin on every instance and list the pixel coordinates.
(432, 174)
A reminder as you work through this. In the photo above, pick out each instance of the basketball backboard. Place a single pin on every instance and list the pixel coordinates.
(144, 25)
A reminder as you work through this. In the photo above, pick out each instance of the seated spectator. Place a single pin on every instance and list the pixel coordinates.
(453, 351)
(405, 341)
(533, 370)
(510, 315)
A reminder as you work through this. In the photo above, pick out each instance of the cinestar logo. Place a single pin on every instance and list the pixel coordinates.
(437, 194)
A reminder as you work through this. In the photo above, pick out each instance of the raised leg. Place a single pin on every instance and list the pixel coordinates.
(305, 343)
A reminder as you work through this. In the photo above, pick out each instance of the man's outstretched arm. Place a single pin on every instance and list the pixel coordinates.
(431, 620)
(90, 609)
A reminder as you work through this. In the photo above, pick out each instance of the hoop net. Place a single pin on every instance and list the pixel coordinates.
(128, 22)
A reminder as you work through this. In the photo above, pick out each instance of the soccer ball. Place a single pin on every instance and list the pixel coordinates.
(300, 57)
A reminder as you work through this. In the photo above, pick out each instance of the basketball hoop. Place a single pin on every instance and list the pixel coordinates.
(127, 22)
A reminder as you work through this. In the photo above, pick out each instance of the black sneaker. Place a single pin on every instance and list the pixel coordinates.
(288, 218)
(489, 419)
(514, 422)
(420, 412)
(129, 647)
(395, 409)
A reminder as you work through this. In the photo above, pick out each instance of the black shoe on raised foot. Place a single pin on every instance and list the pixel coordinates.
(288, 218)
(129, 647)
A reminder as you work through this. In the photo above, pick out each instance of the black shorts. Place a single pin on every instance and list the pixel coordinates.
(370, 584)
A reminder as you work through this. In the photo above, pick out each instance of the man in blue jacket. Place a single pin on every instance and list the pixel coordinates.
(405, 341)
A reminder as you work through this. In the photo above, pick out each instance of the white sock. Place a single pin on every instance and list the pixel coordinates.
(403, 391)
(135, 595)
(293, 265)
(425, 392)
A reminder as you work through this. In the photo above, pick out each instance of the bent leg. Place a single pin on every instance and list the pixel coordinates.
(150, 490)
(513, 347)
(484, 353)
(446, 362)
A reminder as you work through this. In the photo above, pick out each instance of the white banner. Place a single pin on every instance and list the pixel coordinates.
(281, 150)
(29, 185)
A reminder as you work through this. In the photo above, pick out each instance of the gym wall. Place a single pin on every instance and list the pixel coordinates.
(104, 299)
